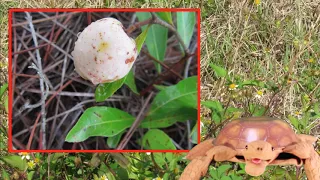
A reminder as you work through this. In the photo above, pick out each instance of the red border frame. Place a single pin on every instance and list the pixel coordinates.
(11, 10)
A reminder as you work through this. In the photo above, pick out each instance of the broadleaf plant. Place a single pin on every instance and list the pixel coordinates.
(172, 104)
(156, 40)
(99, 121)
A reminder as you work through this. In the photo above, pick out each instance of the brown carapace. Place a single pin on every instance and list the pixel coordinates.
(238, 133)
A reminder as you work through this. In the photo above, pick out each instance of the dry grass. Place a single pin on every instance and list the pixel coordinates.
(260, 42)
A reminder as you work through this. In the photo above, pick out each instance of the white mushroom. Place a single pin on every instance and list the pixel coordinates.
(104, 52)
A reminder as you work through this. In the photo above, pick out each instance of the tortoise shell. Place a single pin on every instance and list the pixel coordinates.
(238, 133)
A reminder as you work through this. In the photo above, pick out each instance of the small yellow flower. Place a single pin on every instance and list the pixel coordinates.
(297, 114)
(311, 60)
(257, 2)
(31, 164)
(305, 42)
(24, 155)
(104, 177)
(36, 160)
(259, 94)
(232, 87)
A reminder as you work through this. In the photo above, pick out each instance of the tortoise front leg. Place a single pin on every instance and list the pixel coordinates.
(198, 167)
(311, 158)
(312, 166)
(200, 149)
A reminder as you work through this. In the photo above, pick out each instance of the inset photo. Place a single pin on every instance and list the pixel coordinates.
(104, 80)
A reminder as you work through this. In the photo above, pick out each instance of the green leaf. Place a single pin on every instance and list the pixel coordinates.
(110, 176)
(194, 134)
(159, 158)
(185, 25)
(225, 178)
(141, 38)
(95, 160)
(253, 83)
(15, 161)
(294, 121)
(130, 82)
(166, 176)
(256, 110)
(172, 163)
(157, 140)
(220, 72)
(216, 117)
(5, 175)
(166, 16)
(169, 156)
(215, 105)
(56, 156)
(121, 173)
(30, 175)
(99, 121)
(3, 89)
(172, 104)
(279, 171)
(316, 108)
(222, 169)
(216, 108)
(156, 40)
(235, 177)
(104, 91)
(6, 103)
(214, 173)
(113, 141)
(121, 159)
(160, 87)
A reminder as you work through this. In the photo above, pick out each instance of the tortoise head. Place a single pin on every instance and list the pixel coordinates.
(258, 155)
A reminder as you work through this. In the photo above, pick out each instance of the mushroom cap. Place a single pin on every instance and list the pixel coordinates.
(238, 133)
(104, 52)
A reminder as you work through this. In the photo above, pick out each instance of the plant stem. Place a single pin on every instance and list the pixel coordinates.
(135, 124)
(137, 25)
(43, 95)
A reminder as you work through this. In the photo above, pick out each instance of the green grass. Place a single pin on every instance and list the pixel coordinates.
(271, 43)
